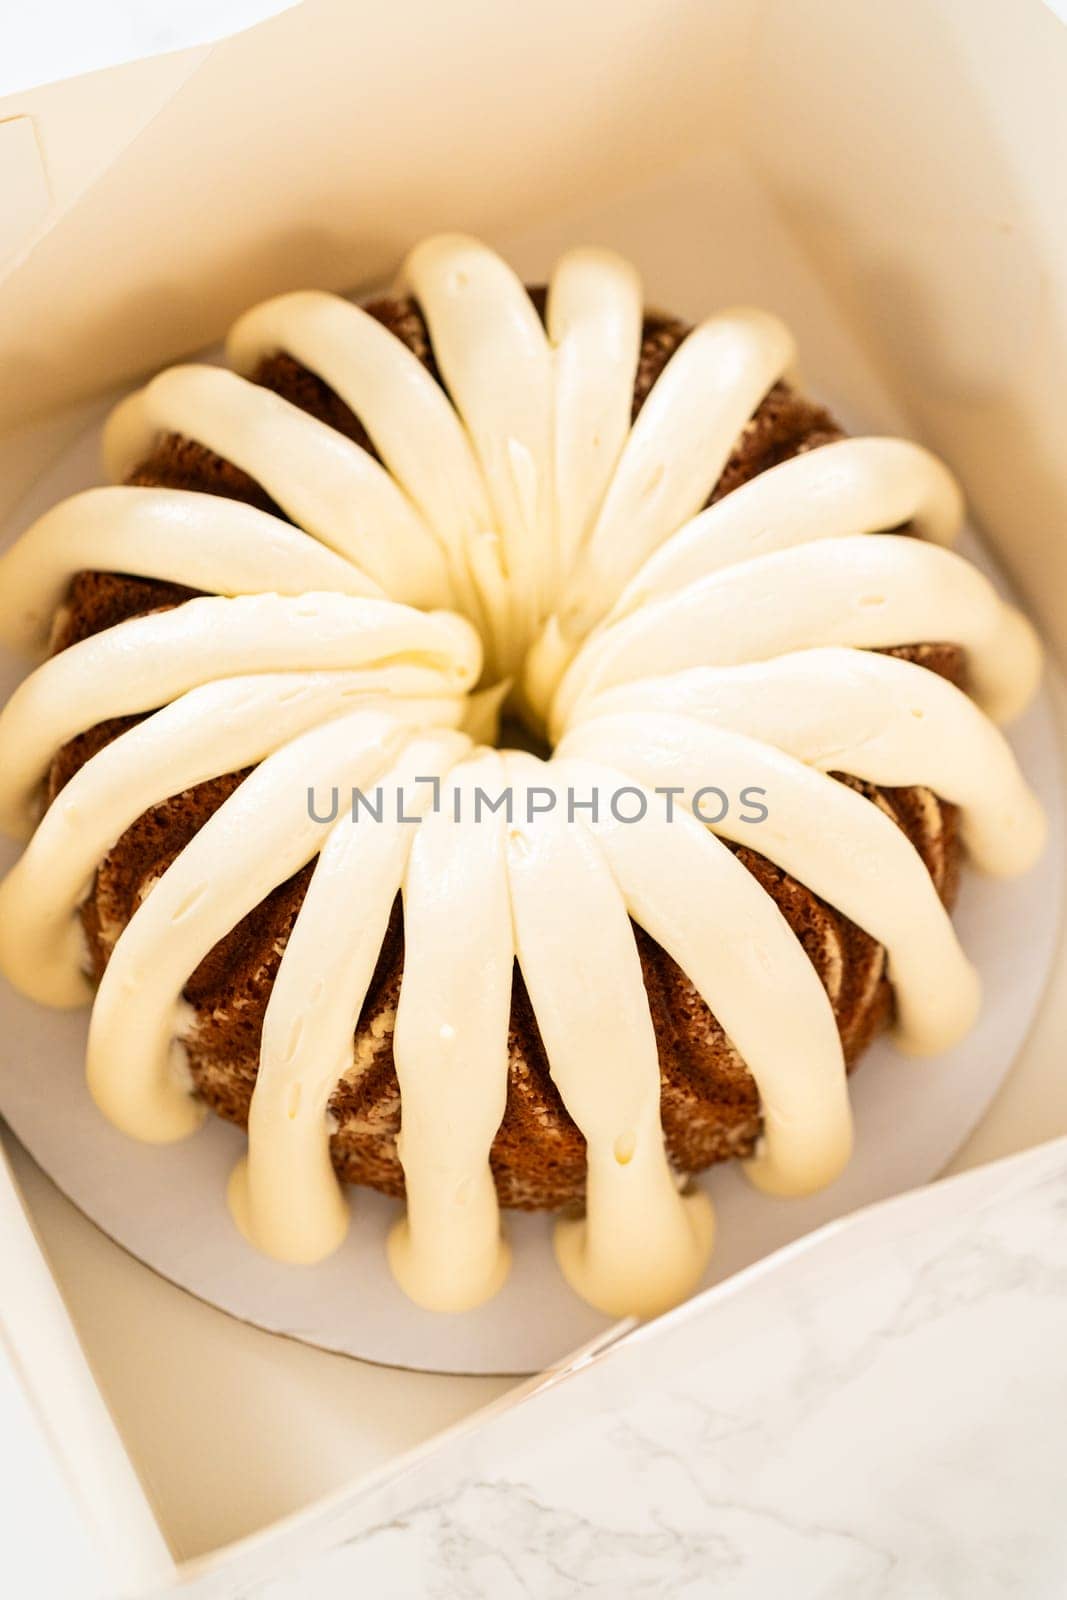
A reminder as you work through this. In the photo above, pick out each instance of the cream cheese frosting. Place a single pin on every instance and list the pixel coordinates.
(668, 873)
(641, 1243)
(204, 543)
(869, 592)
(451, 1045)
(324, 482)
(826, 836)
(286, 1194)
(516, 533)
(149, 660)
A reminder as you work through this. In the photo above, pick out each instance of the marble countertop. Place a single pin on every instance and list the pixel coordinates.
(877, 1411)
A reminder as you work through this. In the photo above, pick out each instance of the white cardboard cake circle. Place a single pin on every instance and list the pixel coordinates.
(167, 1206)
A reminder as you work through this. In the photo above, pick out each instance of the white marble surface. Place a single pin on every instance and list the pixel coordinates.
(875, 1412)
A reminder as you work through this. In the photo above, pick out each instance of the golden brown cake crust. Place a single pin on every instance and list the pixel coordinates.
(709, 1102)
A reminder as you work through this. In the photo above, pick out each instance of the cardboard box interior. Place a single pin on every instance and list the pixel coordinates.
(888, 178)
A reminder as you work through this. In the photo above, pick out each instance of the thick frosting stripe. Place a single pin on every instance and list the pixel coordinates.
(202, 541)
(594, 320)
(871, 592)
(641, 1244)
(451, 1045)
(217, 728)
(669, 873)
(286, 1196)
(849, 487)
(825, 835)
(407, 415)
(676, 451)
(257, 838)
(873, 716)
(327, 484)
(669, 466)
(493, 355)
(149, 660)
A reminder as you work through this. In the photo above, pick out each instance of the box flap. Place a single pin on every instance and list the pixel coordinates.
(63, 1467)
(54, 40)
(78, 84)
(24, 185)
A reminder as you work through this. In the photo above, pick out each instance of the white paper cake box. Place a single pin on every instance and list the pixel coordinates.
(888, 178)
(62, 1465)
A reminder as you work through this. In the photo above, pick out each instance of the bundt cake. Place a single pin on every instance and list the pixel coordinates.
(308, 885)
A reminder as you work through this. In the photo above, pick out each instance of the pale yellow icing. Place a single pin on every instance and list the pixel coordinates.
(823, 833)
(662, 644)
(414, 429)
(287, 1192)
(874, 717)
(451, 1045)
(218, 727)
(849, 487)
(641, 1243)
(322, 480)
(669, 873)
(256, 839)
(677, 449)
(494, 357)
(669, 465)
(593, 318)
(870, 592)
(202, 541)
(143, 663)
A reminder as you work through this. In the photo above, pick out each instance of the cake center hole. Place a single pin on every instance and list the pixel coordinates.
(516, 735)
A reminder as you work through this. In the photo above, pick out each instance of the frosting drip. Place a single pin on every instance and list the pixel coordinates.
(641, 1244)
(668, 874)
(286, 1194)
(661, 642)
(451, 1046)
(224, 725)
(149, 660)
(324, 482)
(829, 838)
(869, 592)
